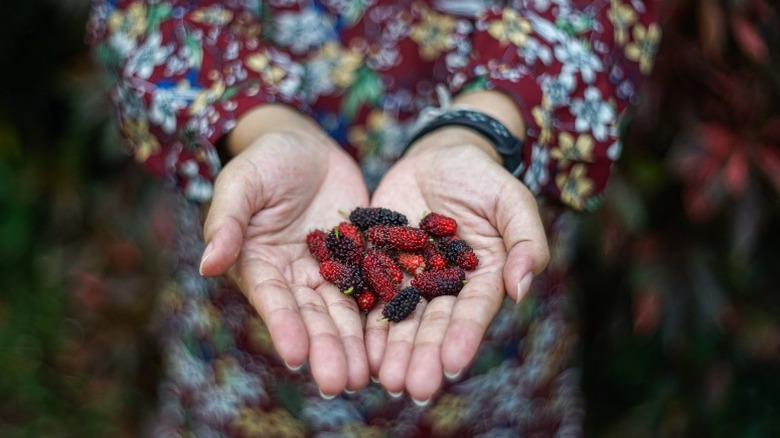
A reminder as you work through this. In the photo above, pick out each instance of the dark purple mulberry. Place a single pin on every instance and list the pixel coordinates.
(365, 218)
(343, 248)
(458, 253)
(402, 304)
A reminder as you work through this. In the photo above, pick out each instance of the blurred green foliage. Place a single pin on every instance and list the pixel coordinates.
(679, 270)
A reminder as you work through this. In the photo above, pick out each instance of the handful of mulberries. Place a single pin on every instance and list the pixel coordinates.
(374, 254)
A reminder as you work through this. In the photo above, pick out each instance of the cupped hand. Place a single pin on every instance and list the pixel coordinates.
(497, 216)
(282, 184)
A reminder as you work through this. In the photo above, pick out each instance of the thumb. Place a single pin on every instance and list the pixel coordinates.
(228, 217)
(519, 223)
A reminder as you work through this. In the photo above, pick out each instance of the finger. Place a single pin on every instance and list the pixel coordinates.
(376, 331)
(424, 373)
(475, 307)
(327, 359)
(346, 316)
(228, 216)
(271, 296)
(519, 223)
(398, 351)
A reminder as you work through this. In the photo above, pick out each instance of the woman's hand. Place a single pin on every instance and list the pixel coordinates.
(455, 172)
(286, 179)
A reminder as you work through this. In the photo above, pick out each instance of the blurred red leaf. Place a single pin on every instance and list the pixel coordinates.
(768, 160)
(749, 40)
(647, 311)
(736, 172)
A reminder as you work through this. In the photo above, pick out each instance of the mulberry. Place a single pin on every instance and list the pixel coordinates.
(347, 278)
(365, 218)
(438, 225)
(402, 304)
(343, 248)
(434, 261)
(316, 242)
(458, 252)
(411, 263)
(401, 238)
(366, 300)
(382, 274)
(432, 284)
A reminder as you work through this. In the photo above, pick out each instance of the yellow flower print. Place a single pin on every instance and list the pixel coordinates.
(367, 138)
(144, 143)
(360, 430)
(574, 186)
(276, 423)
(511, 27)
(213, 15)
(433, 34)
(543, 117)
(344, 64)
(271, 74)
(206, 96)
(131, 21)
(446, 416)
(622, 17)
(644, 46)
(570, 150)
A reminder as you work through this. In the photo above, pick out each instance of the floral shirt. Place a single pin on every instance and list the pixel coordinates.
(185, 71)
(182, 74)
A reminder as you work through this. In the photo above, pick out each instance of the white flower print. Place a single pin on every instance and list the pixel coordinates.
(577, 57)
(614, 150)
(165, 104)
(302, 30)
(592, 113)
(149, 55)
(537, 174)
(533, 50)
(122, 43)
(557, 89)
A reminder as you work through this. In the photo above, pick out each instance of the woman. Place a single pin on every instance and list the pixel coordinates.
(275, 116)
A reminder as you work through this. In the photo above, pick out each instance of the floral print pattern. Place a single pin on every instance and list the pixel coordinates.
(183, 72)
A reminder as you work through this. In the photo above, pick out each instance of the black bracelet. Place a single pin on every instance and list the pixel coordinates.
(507, 145)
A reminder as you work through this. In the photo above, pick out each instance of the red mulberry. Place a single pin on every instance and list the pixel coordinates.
(432, 284)
(382, 274)
(438, 225)
(398, 237)
(347, 278)
(316, 242)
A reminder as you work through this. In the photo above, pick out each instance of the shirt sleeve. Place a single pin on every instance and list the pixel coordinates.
(181, 74)
(573, 68)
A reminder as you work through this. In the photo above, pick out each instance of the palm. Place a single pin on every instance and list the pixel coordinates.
(277, 205)
(444, 334)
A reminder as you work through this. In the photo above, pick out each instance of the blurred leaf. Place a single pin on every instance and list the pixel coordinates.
(749, 40)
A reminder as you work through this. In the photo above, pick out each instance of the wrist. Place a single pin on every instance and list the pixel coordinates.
(487, 120)
(447, 137)
(266, 119)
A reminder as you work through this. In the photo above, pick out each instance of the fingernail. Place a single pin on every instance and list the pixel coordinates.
(206, 255)
(375, 379)
(453, 376)
(523, 286)
(293, 368)
(421, 403)
(349, 392)
(396, 394)
(327, 396)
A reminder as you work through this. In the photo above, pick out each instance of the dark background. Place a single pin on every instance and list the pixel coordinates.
(680, 269)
